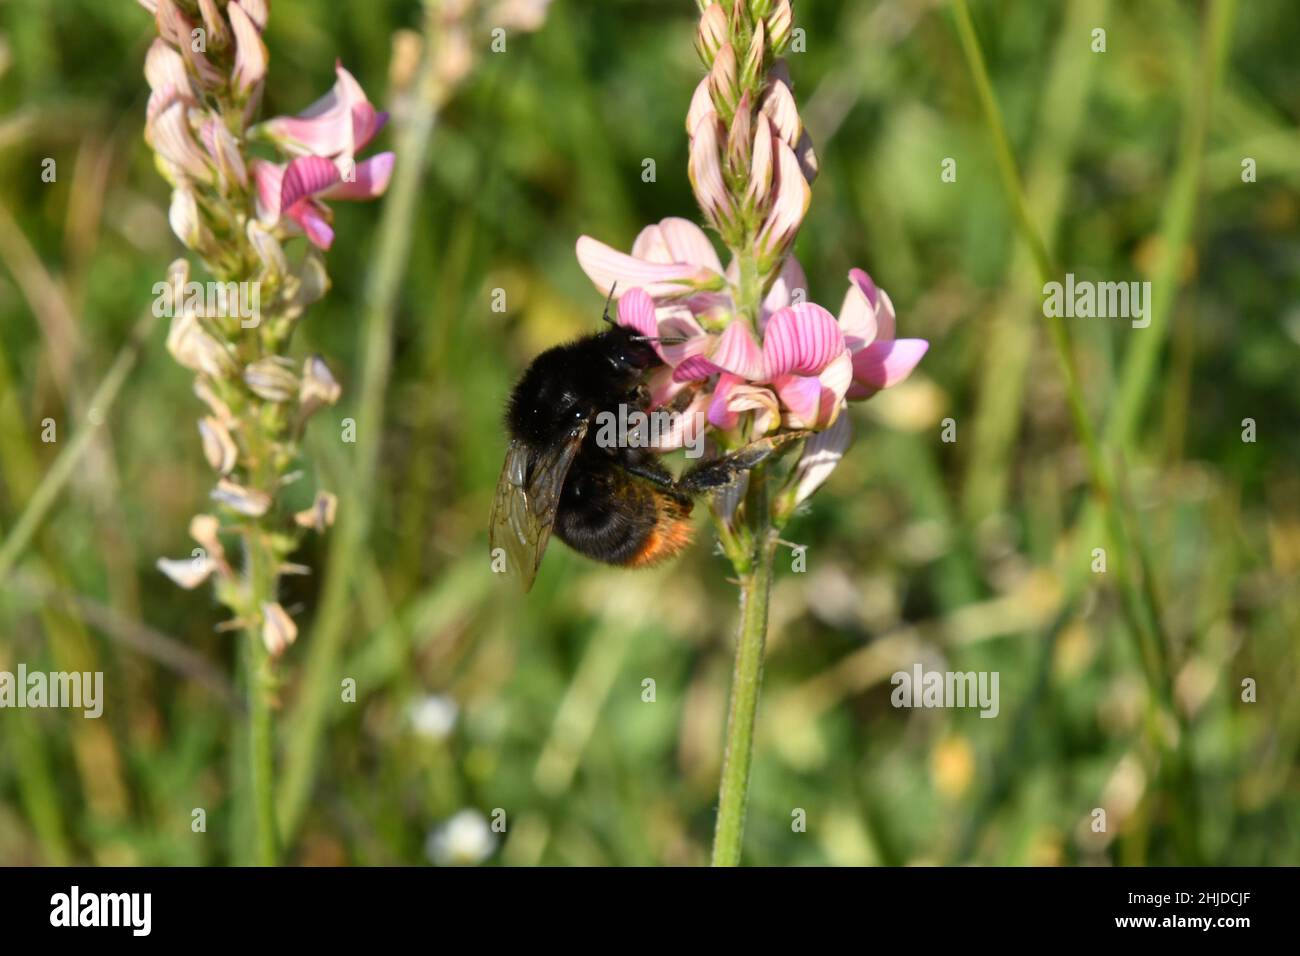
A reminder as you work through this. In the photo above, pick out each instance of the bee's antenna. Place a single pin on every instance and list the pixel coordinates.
(608, 299)
(661, 339)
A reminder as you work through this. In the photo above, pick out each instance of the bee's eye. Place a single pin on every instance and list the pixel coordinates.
(577, 413)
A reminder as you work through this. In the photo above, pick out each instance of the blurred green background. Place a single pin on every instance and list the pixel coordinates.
(968, 555)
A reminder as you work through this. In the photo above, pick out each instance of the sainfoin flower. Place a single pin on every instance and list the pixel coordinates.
(796, 371)
(324, 140)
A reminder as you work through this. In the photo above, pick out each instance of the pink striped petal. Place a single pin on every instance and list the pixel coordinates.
(883, 364)
(801, 395)
(790, 288)
(720, 416)
(268, 177)
(370, 179)
(606, 266)
(310, 215)
(738, 353)
(694, 368)
(306, 176)
(880, 303)
(762, 402)
(858, 313)
(687, 242)
(834, 380)
(802, 339)
(637, 311)
(663, 388)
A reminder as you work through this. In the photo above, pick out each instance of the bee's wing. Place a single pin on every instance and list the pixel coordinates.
(523, 509)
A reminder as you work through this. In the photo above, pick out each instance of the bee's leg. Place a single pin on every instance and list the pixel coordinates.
(720, 472)
(636, 461)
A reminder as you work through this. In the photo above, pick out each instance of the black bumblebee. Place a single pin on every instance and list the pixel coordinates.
(618, 505)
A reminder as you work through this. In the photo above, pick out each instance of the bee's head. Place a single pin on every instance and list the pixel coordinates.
(629, 352)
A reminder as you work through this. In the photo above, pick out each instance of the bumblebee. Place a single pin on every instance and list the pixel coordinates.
(618, 505)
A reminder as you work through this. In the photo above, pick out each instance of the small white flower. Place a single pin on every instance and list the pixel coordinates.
(434, 716)
(464, 840)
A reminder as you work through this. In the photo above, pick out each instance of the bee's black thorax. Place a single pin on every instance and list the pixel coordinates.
(569, 384)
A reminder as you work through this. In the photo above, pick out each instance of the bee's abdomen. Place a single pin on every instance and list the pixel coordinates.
(611, 517)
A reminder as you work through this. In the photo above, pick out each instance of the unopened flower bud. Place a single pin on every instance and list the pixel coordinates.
(740, 138)
(780, 26)
(272, 379)
(321, 513)
(218, 447)
(218, 33)
(318, 387)
(189, 573)
(752, 68)
(278, 628)
(244, 501)
(712, 33)
(723, 84)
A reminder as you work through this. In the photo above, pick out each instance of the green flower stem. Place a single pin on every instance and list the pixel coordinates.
(261, 745)
(746, 681)
(383, 284)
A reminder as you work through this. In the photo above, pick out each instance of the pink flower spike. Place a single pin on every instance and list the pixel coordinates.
(306, 176)
(606, 266)
(370, 179)
(802, 339)
(885, 363)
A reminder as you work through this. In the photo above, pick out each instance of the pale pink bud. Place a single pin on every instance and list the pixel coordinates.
(250, 51)
(318, 387)
(752, 68)
(712, 33)
(189, 573)
(705, 172)
(779, 105)
(278, 629)
(740, 139)
(218, 33)
(218, 447)
(701, 104)
(759, 189)
(204, 529)
(780, 25)
(723, 88)
(169, 135)
(788, 208)
(183, 215)
(244, 501)
(223, 149)
(321, 513)
(272, 378)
